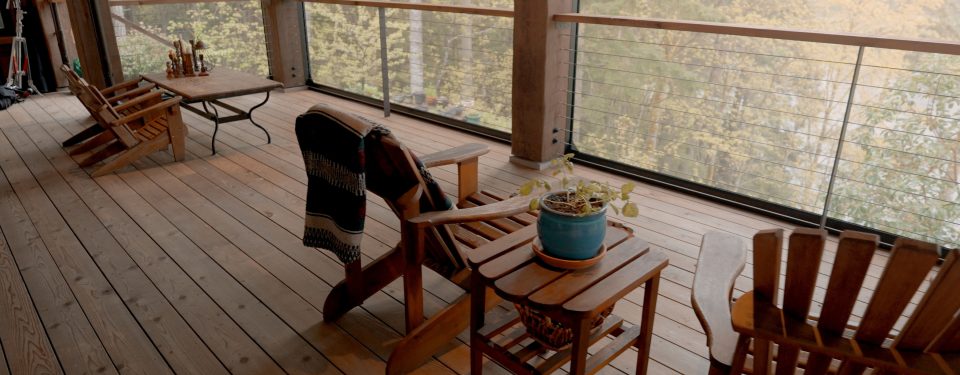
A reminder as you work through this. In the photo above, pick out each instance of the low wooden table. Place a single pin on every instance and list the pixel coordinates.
(573, 298)
(222, 83)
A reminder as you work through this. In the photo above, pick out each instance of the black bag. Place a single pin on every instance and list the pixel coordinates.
(7, 97)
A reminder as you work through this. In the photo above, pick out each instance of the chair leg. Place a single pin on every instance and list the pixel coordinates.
(178, 135)
(94, 157)
(431, 336)
(92, 143)
(133, 154)
(90, 131)
(413, 243)
(374, 277)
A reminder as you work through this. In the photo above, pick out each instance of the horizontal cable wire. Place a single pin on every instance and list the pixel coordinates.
(704, 115)
(904, 111)
(900, 209)
(925, 197)
(713, 49)
(510, 55)
(718, 184)
(905, 132)
(459, 60)
(480, 88)
(425, 20)
(678, 141)
(427, 33)
(696, 114)
(912, 70)
(722, 85)
(898, 171)
(687, 96)
(425, 66)
(582, 51)
(702, 131)
(681, 157)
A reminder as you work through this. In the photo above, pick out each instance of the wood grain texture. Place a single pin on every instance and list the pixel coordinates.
(269, 180)
(722, 257)
(909, 263)
(937, 308)
(20, 327)
(117, 329)
(221, 83)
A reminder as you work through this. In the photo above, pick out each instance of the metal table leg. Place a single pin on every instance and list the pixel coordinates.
(216, 127)
(250, 113)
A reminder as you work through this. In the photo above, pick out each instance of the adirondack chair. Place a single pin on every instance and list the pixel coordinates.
(438, 240)
(152, 128)
(114, 95)
(928, 343)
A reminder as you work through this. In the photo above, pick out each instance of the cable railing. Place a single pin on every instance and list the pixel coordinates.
(453, 62)
(232, 30)
(851, 131)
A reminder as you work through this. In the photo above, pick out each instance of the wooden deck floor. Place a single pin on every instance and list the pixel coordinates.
(197, 267)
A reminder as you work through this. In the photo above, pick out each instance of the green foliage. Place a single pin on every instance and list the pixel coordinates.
(232, 30)
(577, 196)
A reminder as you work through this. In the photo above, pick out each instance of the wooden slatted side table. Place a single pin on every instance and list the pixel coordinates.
(573, 298)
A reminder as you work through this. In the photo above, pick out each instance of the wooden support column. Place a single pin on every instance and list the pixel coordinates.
(96, 43)
(284, 29)
(539, 82)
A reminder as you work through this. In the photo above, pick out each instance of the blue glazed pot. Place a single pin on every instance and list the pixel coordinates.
(569, 236)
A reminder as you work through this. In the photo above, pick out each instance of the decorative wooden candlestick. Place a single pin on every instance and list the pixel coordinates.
(203, 67)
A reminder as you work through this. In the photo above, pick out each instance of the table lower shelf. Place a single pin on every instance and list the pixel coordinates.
(516, 348)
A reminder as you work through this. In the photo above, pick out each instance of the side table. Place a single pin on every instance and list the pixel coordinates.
(574, 298)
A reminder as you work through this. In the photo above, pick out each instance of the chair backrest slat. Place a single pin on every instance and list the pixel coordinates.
(803, 265)
(767, 250)
(949, 339)
(909, 263)
(849, 270)
(936, 309)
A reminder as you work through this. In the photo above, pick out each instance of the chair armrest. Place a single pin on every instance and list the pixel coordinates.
(722, 257)
(151, 98)
(122, 85)
(513, 206)
(153, 108)
(131, 93)
(454, 155)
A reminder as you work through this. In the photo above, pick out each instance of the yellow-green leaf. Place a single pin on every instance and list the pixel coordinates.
(630, 210)
(627, 188)
(534, 204)
(527, 187)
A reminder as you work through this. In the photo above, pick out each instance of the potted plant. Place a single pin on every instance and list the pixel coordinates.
(572, 225)
(573, 222)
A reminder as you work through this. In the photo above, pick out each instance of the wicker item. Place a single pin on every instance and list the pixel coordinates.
(548, 332)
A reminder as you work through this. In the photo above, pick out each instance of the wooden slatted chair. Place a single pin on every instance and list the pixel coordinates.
(154, 127)
(786, 337)
(115, 95)
(437, 240)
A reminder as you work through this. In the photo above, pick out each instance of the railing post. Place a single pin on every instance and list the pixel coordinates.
(384, 63)
(287, 46)
(843, 134)
(539, 82)
(96, 44)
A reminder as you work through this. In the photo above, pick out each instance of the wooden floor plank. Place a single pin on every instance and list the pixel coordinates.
(130, 349)
(20, 325)
(224, 231)
(167, 330)
(226, 339)
(71, 334)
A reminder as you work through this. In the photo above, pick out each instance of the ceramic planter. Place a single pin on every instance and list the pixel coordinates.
(570, 236)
